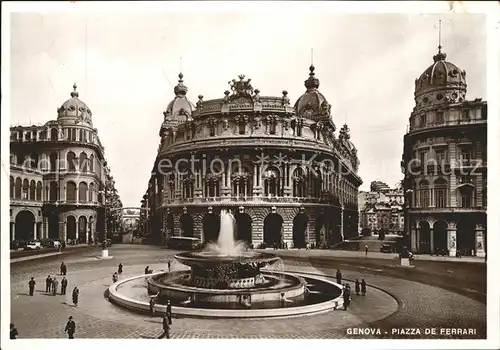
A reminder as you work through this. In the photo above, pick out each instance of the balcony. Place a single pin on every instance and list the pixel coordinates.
(242, 200)
(449, 123)
(447, 210)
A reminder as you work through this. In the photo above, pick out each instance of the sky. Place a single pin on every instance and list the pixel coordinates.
(126, 65)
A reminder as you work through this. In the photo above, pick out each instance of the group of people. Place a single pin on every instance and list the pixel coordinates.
(359, 287)
(51, 285)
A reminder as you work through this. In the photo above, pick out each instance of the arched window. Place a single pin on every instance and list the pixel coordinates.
(26, 189)
(424, 194)
(272, 182)
(39, 191)
(70, 191)
(82, 135)
(187, 184)
(317, 183)
(53, 161)
(441, 193)
(53, 134)
(53, 195)
(242, 183)
(212, 184)
(34, 160)
(299, 183)
(91, 192)
(72, 134)
(71, 161)
(12, 187)
(82, 192)
(83, 162)
(32, 190)
(91, 163)
(19, 186)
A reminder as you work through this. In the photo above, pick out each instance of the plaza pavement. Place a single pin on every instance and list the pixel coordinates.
(399, 303)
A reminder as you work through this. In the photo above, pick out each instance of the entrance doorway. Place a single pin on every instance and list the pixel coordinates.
(440, 232)
(466, 236)
(299, 230)
(70, 227)
(25, 226)
(424, 237)
(243, 227)
(272, 229)
(186, 225)
(211, 227)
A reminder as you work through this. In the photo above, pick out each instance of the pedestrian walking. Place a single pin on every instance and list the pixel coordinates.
(339, 277)
(13, 331)
(356, 286)
(75, 294)
(166, 329)
(48, 282)
(363, 287)
(31, 285)
(347, 297)
(366, 250)
(64, 285)
(146, 270)
(64, 269)
(169, 312)
(55, 284)
(152, 306)
(70, 327)
(169, 264)
(115, 277)
(120, 268)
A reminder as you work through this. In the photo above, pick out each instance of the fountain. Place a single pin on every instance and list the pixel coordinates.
(225, 279)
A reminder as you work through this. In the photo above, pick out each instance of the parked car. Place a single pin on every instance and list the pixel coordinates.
(33, 245)
(386, 248)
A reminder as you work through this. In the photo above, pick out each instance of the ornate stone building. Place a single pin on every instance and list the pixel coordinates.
(58, 177)
(382, 209)
(444, 161)
(279, 168)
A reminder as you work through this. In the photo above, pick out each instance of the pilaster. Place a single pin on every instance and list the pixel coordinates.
(452, 239)
(480, 252)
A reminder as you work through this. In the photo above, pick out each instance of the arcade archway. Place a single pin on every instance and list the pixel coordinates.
(424, 237)
(70, 227)
(25, 226)
(53, 221)
(466, 236)
(299, 230)
(82, 229)
(440, 233)
(272, 229)
(243, 227)
(320, 223)
(211, 227)
(186, 225)
(170, 224)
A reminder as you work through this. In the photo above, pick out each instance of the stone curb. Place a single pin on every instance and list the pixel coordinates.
(140, 306)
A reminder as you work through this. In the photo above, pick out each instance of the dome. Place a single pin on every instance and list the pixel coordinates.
(312, 104)
(74, 111)
(441, 82)
(180, 108)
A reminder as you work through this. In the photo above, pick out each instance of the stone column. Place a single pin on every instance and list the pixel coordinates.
(413, 238)
(87, 232)
(13, 230)
(35, 233)
(77, 233)
(342, 223)
(452, 239)
(432, 241)
(480, 241)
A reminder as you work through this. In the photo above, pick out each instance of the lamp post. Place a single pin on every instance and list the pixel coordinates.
(105, 210)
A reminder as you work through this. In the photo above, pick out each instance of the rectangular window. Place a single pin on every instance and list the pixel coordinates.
(465, 155)
(466, 200)
(422, 158)
(439, 117)
(440, 156)
(423, 120)
(466, 114)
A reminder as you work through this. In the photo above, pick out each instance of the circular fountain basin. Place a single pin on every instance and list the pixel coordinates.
(209, 259)
(324, 296)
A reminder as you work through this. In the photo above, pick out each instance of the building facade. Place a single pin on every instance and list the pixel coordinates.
(59, 178)
(281, 169)
(382, 209)
(445, 164)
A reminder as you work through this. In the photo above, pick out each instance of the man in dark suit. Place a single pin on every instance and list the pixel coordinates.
(64, 285)
(166, 329)
(31, 285)
(70, 327)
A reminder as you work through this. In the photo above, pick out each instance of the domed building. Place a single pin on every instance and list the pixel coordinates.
(445, 164)
(282, 170)
(59, 180)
